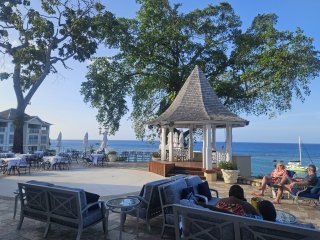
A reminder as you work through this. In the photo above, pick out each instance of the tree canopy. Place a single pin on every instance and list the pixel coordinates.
(38, 35)
(256, 71)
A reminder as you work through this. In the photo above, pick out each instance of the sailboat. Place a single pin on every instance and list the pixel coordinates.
(297, 165)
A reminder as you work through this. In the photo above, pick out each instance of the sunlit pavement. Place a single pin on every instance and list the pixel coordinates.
(112, 181)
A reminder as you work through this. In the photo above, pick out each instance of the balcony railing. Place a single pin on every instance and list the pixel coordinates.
(32, 130)
(2, 129)
(33, 142)
(44, 131)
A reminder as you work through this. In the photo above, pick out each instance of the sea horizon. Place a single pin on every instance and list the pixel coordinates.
(262, 154)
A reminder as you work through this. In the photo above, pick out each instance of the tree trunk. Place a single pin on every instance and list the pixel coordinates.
(18, 123)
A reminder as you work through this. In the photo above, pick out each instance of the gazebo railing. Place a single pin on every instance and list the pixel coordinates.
(218, 156)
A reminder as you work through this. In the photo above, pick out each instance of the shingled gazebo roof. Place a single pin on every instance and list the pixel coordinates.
(197, 104)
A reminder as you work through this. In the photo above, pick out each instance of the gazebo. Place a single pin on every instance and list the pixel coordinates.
(198, 106)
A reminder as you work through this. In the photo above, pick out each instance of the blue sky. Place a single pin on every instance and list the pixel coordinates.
(59, 102)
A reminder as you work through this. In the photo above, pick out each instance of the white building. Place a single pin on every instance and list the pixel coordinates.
(35, 132)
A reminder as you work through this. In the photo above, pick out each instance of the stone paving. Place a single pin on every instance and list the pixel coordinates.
(33, 230)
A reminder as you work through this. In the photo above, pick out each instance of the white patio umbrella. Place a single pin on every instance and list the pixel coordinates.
(59, 139)
(85, 142)
(104, 141)
(176, 140)
(181, 140)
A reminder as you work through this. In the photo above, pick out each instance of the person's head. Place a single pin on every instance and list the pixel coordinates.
(280, 166)
(311, 169)
(237, 192)
(267, 210)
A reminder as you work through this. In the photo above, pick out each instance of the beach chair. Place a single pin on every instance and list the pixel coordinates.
(307, 195)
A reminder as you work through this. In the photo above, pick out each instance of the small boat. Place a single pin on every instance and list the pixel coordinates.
(297, 165)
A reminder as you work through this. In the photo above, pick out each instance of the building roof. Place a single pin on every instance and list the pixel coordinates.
(10, 114)
(197, 104)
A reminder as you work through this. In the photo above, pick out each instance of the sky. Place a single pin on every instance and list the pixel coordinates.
(59, 102)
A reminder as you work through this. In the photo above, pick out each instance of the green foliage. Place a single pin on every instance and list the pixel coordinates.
(257, 71)
(45, 36)
(227, 165)
(112, 152)
(155, 154)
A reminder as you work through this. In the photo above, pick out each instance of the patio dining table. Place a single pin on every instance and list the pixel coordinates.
(52, 160)
(14, 163)
(7, 155)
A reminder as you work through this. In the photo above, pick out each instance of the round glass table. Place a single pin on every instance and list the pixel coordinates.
(285, 217)
(123, 206)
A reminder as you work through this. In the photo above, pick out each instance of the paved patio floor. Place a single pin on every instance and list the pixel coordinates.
(109, 182)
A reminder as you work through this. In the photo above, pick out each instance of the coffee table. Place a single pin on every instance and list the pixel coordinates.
(123, 206)
(285, 217)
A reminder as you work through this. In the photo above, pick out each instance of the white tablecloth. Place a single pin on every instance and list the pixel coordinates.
(26, 155)
(7, 155)
(39, 153)
(12, 162)
(52, 159)
(95, 157)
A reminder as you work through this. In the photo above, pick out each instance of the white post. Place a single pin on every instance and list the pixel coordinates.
(190, 143)
(208, 148)
(170, 144)
(204, 144)
(213, 129)
(163, 144)
(229, 143)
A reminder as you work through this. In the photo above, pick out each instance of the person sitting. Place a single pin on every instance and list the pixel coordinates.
(236, 203)
(267, 210)
(276, 175)
(288, 183)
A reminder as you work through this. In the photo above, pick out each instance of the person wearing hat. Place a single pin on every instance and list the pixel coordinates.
(288, 183)
(276, 175)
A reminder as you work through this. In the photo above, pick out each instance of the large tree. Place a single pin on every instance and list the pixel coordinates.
(257, 71)
(39, 35)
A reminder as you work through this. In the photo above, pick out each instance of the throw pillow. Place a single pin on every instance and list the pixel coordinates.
(203, 189)
(186, 192)
(92, 198)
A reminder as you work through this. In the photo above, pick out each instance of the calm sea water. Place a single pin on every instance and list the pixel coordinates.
(262, 154)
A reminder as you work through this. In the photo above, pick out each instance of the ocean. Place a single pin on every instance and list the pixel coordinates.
(262, 154)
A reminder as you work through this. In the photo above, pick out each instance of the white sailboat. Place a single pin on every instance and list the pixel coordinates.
(297, 165)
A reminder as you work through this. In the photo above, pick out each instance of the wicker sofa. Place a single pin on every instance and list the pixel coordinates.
(60, 205)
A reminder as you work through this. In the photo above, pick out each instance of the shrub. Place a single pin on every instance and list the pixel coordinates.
(112, 152)
(155, 154)
(228, 165)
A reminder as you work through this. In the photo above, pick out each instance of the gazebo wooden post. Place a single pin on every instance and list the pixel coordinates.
(190, 143)
(204, 144)
(208, 147)
(170, 144)
(163, 144)
(229, 141)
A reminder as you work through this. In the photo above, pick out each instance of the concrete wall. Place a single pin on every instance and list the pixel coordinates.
(244, 164)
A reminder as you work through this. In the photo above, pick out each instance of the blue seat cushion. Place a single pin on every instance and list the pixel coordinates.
(213, 201)
(306, 194)
(172, 191)
(204, 189)
(316, 188)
